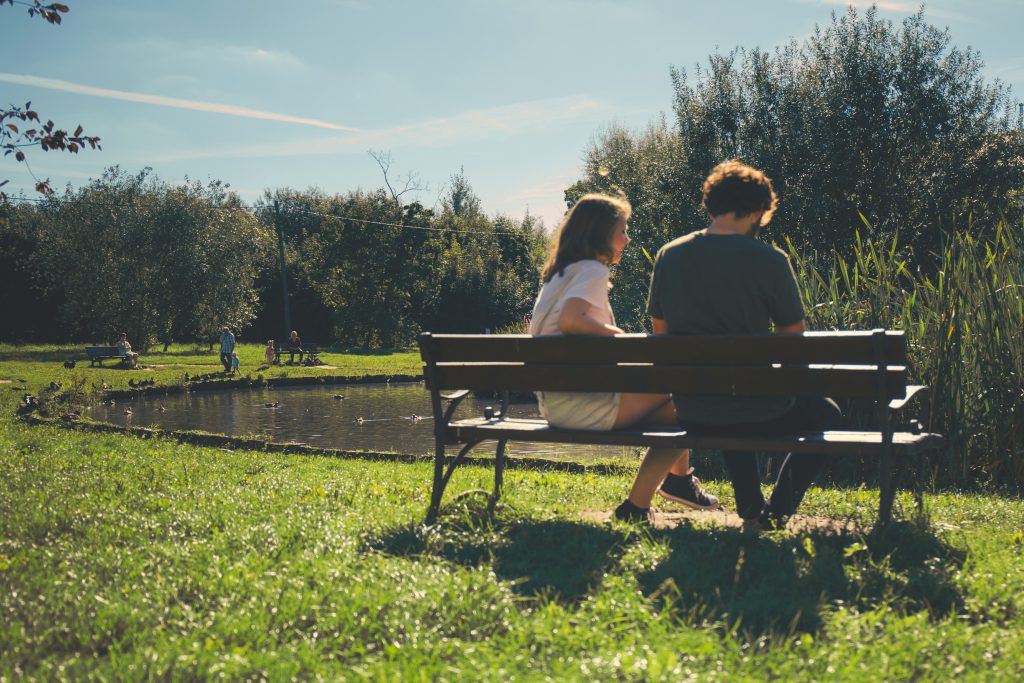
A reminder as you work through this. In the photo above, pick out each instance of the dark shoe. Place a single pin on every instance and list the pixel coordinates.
(763, 522)
(688, 491)
(631, 514)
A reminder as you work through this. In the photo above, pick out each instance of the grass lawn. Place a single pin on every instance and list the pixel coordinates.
(123, 558)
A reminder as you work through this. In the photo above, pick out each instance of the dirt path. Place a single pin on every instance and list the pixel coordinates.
(670, 519)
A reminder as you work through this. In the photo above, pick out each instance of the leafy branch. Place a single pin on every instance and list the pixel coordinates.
(49, 13)
(17, 124)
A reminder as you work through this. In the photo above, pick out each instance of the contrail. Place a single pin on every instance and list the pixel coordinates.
(230, 110)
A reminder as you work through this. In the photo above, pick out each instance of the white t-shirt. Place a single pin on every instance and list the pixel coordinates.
(587, 280)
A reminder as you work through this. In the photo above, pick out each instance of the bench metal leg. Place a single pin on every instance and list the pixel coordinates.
(438, 488)
(499, 471)
(887, 489)
(442, 476)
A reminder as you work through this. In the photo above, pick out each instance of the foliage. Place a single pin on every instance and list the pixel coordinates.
(966, 337)
(861, 118)
(28, 312)
(130, 253)
(46, 135)
(385, 270)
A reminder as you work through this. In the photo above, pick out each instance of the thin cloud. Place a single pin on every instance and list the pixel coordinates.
(159, 100)
(468, 126)
(880, 4)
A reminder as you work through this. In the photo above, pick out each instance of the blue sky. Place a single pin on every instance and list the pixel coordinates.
(267, 94)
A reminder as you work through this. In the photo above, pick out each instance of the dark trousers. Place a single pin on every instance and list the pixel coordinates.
(293, 351)
(225, 360)
(798, 469)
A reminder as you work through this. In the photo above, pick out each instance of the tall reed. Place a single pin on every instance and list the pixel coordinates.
(965, 325)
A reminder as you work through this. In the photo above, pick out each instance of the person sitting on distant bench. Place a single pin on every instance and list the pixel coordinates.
(131, 359)
(295, 347)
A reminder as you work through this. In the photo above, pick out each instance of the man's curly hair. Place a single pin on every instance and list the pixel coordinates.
(735, 187)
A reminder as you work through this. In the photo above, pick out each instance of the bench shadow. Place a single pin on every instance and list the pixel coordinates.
(762, 585)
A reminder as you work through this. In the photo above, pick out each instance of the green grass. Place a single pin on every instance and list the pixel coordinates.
(123, 558)
(40, 364)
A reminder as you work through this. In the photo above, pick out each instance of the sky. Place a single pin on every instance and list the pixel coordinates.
(269, 94)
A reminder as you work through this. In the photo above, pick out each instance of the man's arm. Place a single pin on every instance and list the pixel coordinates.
(795, 328)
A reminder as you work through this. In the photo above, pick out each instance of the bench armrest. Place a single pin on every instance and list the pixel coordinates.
(913, 390)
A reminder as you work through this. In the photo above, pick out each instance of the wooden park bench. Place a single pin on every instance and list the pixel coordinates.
(840, 365)
(310, 350)
(98, 354)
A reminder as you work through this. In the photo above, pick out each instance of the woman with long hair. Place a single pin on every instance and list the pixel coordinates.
(574, 300)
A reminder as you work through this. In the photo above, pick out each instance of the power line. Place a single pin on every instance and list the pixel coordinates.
(410, 227)
(308, 212)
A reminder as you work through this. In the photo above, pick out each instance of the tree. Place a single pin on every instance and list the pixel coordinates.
(161, 262)
(46, 136)
(30, 310)
(385, 271)
(863, 118)
(862, 124)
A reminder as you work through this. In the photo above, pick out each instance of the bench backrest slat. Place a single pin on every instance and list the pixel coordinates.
(834, 381)
(836, 364)
(811, 347)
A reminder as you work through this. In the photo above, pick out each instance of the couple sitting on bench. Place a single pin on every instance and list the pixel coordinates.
(720, 280)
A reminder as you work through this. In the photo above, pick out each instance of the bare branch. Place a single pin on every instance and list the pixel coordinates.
(410, 182)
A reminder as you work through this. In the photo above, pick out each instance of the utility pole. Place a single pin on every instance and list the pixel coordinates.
(284, 273)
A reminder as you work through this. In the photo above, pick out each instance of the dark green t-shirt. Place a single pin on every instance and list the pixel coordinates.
(724, 284)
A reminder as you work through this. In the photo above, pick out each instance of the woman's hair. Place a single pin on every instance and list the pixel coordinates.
(586, 232)
(734, 187)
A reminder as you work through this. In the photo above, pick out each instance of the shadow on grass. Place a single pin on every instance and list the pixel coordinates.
(367, 352)
(77, 353)
(777, 583)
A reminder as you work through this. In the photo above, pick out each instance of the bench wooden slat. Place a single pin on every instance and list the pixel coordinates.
(839, 442)
(826, 380)
(848, 364)
(97, 354)
(810, 347)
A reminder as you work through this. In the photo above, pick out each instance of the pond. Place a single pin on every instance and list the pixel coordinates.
(313, 416)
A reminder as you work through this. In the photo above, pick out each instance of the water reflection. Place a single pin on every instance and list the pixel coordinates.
(373, 417)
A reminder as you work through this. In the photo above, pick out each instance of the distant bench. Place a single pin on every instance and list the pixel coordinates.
(309, 349)
(98, 354)
(840, 365)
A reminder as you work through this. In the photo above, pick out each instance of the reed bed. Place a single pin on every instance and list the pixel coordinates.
(963, 312)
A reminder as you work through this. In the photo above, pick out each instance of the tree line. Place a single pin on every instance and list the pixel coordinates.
(175, 262)
(867, 129)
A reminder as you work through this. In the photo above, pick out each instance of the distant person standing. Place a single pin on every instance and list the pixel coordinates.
(270, 353)
(227, 347)
(294, 347)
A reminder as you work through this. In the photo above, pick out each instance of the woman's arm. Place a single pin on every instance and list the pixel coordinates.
(576, 318)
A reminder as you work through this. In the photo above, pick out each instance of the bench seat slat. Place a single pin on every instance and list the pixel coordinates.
(836, 382)
(809, 347)
(840, 442)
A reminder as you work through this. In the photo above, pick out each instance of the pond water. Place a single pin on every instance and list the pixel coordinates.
(312, 415)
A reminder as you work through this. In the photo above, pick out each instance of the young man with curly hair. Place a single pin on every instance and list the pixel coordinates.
(723, 280)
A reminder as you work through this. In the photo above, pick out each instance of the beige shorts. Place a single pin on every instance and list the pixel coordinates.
(596, 412)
